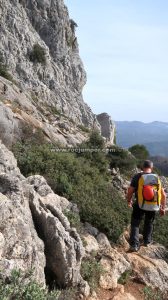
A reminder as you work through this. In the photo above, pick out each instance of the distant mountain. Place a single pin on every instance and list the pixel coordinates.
(153, 135)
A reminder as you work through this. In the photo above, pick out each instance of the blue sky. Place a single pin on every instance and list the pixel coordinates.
(124, 47)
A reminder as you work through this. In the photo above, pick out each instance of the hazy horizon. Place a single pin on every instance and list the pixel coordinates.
(124, 49)
(132, 121)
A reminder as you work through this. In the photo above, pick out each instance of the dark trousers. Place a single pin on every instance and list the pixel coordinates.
(137, 216)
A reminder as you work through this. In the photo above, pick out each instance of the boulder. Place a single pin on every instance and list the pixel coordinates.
(114, 265)
(103, 241)
(91, 244)
(90, 229)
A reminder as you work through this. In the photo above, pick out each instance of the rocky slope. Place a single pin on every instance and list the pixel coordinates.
(35, 234)
(43, 94)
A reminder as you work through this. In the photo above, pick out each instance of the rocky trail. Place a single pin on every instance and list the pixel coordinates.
(131, 276)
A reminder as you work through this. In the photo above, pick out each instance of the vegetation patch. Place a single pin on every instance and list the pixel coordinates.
(125, 277)
(83, 128)
(74, 219)
(153, 294)
(140, 152)
(21, 286)
(4, 70)
(38, 54)
(122, 159)
(91, 270)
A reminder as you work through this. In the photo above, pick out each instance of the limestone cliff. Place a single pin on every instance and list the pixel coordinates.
(60, 80)
(39, 48)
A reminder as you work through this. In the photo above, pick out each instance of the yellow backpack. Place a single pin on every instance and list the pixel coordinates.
(149, 192)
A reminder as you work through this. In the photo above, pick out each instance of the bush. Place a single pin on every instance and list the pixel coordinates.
(74, 219)
(4, 72)
(152, 294)
(160, 230)
(21, 286)
(91, 270)
(140, 152)
(121, 158)
(38, 54)
(83, 128)
(95, 140)
(92, 151)
(125, 277)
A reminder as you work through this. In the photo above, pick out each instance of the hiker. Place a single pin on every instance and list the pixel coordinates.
(150, 198)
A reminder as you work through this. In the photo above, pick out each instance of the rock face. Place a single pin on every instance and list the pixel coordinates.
(63, 247)
(20, 246)
(60, 80)
(107, 127)
(18, 115)
(45, 93)
(34, 233)
(45, 90)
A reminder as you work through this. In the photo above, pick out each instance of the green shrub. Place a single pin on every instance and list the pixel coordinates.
(38, 54)
(125, 277)
(140, 152)
(70, 41)
(54, 110)
(93, 151)
(150, 294)
(121, 158)
(160, 230)
(21, 286)
(4, 72)
(95, 140)
(91, 270)
(83, 128)
(74, 219)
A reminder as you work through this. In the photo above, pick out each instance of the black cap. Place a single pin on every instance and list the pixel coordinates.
(148, 164)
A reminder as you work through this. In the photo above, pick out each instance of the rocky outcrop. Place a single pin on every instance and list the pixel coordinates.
(63, 246)
(34, 233)
(114, 265)
(20, 246)
(59, 81)
(107, 127)
(151, 263)
(21, 115)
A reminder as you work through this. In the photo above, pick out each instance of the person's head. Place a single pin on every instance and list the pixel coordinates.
(147, 166)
